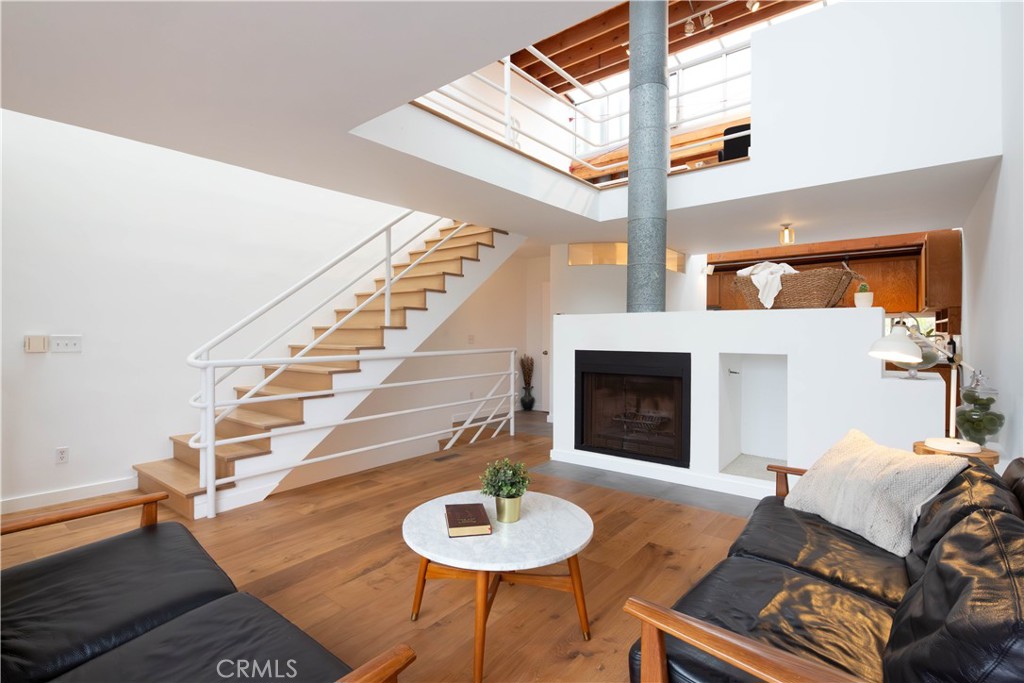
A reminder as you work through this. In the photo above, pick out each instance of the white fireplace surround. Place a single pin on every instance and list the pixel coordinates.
(828, 381)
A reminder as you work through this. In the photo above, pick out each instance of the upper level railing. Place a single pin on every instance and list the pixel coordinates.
(508, 104)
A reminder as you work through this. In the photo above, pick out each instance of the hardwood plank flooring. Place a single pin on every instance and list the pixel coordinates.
(330, 557)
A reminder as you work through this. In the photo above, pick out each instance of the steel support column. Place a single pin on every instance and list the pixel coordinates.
(648, 155)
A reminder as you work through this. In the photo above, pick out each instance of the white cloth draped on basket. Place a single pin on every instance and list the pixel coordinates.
(767, 277)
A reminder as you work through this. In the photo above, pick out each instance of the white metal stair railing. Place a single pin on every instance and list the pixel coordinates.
(506, 377)
(451, 97)
(205, 439)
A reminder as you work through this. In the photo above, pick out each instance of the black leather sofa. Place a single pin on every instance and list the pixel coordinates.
(151, 605)
(799, 599)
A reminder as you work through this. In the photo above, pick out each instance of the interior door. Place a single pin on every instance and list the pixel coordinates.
(545, 356)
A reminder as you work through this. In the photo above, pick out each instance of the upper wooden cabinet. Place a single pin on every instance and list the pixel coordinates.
(912, 273)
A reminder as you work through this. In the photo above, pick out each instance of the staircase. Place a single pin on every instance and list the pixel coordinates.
(420, 301)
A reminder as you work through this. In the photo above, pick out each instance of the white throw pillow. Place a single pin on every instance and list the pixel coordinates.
(873, 490)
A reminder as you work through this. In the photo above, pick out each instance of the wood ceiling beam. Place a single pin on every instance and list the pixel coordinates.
(608, 42)
(609, 20)
(728, 23)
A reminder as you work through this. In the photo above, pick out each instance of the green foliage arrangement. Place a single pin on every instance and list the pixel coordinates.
(526, 363)
(863, 287)
(505, 479)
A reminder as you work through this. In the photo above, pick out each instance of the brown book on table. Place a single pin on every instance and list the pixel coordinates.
(467, 519)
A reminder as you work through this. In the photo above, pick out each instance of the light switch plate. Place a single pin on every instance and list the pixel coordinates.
(66, 343)
(36, 343)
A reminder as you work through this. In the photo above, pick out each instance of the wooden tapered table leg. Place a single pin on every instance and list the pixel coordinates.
(421, 581)
(577, 591)
(551, 531)
(482, 581)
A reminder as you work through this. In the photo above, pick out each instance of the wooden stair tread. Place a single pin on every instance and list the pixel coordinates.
(332, 347)
(473, 230)
(393, 309)
(273, 390)
(230, 451)
(413, 291)
(414, 275)
(313, 368)
(255, 418)
(181, 478)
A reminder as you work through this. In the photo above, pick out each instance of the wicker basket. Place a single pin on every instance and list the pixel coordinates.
(817, 288)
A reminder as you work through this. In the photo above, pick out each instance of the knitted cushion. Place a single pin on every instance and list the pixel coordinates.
(873, 490)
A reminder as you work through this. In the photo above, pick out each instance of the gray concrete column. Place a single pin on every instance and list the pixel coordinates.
(648, 155)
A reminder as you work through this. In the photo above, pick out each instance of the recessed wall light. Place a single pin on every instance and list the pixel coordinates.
(787, 235)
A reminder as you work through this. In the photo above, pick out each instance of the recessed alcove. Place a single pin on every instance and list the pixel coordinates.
(753, 415)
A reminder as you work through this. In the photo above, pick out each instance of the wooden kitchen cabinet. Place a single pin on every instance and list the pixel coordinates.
(893, 279)
(943, 270)
(908, 273)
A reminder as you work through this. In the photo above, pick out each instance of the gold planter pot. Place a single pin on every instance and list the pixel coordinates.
(508, 509)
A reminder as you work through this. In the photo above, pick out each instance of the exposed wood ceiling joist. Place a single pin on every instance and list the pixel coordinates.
(596, 48)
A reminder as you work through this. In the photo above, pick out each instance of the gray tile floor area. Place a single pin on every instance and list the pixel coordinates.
(535, 422)
(752, 466)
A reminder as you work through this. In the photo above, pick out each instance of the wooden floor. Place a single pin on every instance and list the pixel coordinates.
(330, 557)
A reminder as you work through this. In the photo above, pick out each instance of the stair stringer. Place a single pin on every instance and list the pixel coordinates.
(289, 449)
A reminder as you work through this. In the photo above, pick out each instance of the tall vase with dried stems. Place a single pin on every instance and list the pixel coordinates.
(526, 365)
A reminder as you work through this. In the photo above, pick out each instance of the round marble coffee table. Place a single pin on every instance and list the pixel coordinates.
(549, 531)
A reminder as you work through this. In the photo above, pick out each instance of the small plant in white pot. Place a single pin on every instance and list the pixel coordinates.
(863, 297)
(507, 482)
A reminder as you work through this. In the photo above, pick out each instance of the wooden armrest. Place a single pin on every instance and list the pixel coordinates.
(756, 658)
(147, 501)
(781, 482)
(384, 668)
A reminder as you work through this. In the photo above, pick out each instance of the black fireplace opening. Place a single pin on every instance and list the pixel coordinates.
(634, 404)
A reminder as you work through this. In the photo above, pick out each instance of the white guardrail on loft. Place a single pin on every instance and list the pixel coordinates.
(215, 371)
(500, 120)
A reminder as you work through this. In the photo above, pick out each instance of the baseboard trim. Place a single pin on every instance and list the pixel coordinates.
(34, 500)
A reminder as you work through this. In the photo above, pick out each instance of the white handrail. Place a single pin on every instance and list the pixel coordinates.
(298, 357)
(226, 334)
(209, 442)
(205, 438)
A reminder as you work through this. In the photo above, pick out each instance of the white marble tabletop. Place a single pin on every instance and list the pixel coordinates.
(549, 530)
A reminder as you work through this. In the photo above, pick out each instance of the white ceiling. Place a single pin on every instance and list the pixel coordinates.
(277, 86)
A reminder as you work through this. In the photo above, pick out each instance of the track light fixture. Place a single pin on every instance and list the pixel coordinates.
(787, 235)
(707, 20)
(753, 5)
(689, 28)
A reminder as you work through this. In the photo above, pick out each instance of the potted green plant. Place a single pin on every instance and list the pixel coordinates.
(507, 482)
(863, 297)
(526, 365)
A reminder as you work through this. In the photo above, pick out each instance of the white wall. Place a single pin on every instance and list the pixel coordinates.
(832, 385)
(147, 253)
(602, 289)
(994, 252)
(855, 90)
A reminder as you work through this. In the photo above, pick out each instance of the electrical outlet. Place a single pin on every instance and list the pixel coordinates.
(63, 455)
(66, 343)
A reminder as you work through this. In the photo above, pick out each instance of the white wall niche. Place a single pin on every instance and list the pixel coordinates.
(753, 413)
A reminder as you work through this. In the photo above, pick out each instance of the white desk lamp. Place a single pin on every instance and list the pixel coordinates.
(901, 345)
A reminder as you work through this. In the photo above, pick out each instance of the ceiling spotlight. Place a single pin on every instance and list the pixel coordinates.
(787, 235)
(707, 20)
(753, 5)
(689, 28)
